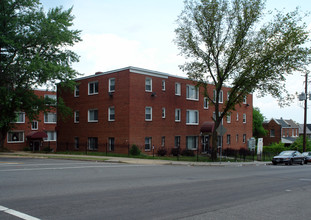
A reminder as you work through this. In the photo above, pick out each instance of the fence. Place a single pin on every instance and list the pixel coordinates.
(194, 154)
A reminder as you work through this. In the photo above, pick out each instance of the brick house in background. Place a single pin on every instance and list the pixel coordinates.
(34, 135)
(280, 130)
(116, 109)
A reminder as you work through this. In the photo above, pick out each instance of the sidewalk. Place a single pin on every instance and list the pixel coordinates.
(128, 160)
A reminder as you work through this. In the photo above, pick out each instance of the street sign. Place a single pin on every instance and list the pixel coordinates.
(221, 130)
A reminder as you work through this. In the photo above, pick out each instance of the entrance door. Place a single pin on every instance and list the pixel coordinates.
(36, 145)
(205, 143)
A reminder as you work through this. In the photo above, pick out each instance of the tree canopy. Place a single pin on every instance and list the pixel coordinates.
(229, 42)
(34, 52)
(258, 119)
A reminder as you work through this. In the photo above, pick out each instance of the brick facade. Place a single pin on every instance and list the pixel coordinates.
(280, 131)
(17, 139)
(131, 102)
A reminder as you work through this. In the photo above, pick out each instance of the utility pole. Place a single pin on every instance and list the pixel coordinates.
(305, 115)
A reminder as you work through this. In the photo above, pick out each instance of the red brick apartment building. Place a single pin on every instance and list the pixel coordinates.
(119, 108)
(280, 130)
(34, 135)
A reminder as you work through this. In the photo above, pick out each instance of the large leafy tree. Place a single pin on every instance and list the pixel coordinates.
(34, 52)
(258, 119)
(226, 41)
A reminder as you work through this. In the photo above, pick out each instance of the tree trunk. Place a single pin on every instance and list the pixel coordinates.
(214, 145)
(2, 139)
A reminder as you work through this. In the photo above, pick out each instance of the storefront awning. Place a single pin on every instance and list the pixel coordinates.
(207, 127)
(37, 135)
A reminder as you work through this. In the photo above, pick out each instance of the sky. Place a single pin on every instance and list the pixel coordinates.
(140, 33)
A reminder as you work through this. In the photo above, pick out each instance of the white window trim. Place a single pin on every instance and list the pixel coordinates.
(55, 135)
(245, 100)
(13, 142)
(109, 113)
(149, 139)
(35, 129)
(179, 119)
(148, 78)
(95, 93)
(237, 116)
(109, 84)
(75, 117)
(20, 122)
(163, 112)
(176, 91)
(196, 142)
(46, 122)
(74, 94)
(244, 118)
(163, 85)
(196, 91)
(88, 115)
(229, 118)
(149, 107)
(188, 110)
(205, 100)
(220, 98)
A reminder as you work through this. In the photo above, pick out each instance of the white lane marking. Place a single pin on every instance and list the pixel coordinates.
(46, 164)
(305, 180)
(79, 167)
(17, 213)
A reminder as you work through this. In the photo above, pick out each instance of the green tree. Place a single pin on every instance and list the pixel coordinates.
(226, 42)
(298, 145)
(34, 52)
(258, 119)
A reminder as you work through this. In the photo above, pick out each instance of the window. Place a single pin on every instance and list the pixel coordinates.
(244, 100)
(163, 141)
(34, 125)
(237, 116)
(219, 141)
(92, 143)
(51, 136)
(111, 114)
(177, 115)
(205, 105)
(76, 142)
(192, 117)
(237, 138)
(163, 85)
(112, 83)
(50, 117)
(177, 141)
(50, 99)
(191, 142)
(148, 113)
(220, 99)
(15, 137)
(192, 92)
(229, 118)
(244, 138)
(148, 85)
(177, 89)
(77, 91)
(76, 117)
(93, 88)
(93, 115)
(148, 143)
(272, 133)
(20, 117)
(163, 112)
(244, 118)
(228, 139)
(111, 144)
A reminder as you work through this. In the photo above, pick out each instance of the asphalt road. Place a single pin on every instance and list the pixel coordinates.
(65, 189)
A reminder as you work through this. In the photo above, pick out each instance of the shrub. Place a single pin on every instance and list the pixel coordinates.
(298, 144)
(187, 152)
(274, 148)
(162, 152)
(26, 149)
(175, 151)
(47, 149)
(135, 150)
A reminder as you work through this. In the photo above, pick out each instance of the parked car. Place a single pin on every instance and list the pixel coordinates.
(289, 158)
(307, 156)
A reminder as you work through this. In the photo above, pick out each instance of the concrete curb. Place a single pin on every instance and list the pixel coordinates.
(131, 160)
